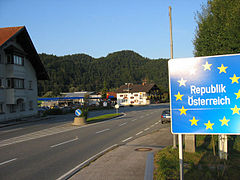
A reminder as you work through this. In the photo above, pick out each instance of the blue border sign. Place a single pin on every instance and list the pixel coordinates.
(205, 95)
(78, 112)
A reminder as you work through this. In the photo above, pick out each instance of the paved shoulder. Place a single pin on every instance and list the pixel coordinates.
(127, 161)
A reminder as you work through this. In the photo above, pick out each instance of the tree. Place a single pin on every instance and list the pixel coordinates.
(218, 30)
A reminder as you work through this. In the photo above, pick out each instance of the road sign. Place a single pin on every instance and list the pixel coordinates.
(104, 104)
(117, 106)
(205, 95)
(78, 112)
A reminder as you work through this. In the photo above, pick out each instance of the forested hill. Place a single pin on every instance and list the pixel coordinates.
(82, 72)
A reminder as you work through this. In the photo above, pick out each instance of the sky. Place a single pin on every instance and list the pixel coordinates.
(100, 27)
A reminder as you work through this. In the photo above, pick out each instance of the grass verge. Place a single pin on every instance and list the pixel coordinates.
(202, 164)
(103, 117)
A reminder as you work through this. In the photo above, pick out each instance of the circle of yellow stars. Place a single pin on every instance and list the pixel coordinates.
(209, 125)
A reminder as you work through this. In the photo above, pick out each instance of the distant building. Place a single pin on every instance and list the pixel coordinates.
(136, 94)
(20, 68)
(72, 98)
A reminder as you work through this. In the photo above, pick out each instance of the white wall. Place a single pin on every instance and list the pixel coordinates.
(138, 98)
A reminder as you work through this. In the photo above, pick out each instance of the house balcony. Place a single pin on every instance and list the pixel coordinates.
(13, 70)
(12, 95)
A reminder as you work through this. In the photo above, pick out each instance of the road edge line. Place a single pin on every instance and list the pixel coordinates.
(85, 163)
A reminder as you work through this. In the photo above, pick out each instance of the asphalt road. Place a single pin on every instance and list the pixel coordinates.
(49, 149)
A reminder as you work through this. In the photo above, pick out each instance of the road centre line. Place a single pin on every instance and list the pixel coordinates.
(153, 125)
(146, 129)
(64, 142)
(127, 139)
(102, 131)
(156, 123)
(123, 124)
(139, 133)
(134, 120)
(5, 162)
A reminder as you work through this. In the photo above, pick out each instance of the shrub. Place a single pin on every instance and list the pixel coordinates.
(236, 144)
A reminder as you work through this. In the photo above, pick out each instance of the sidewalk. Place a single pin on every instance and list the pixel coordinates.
(125, 162)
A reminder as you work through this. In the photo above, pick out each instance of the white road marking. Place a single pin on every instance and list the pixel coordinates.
(139, 133)
(134, 120)
(5, 162)
(39, 134)
(153, 125)
(83, 164)
(102, 131)
(156, 123)
(11, 130)
(123, 124)
(127, 139)
(146, 129)
(64, 142)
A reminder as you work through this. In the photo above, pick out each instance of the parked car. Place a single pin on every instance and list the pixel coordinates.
(165, 117)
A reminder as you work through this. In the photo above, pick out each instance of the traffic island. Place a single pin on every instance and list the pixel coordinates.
(78, 121)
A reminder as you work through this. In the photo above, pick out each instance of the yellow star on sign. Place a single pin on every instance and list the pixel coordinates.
(222, 69)
(235, 110)
(194, 121)
(182, 82)
(238, 94)
(209, 125)
(207, 66)
(178, 96)
(234, 79)
(224, 121)
(183, 111)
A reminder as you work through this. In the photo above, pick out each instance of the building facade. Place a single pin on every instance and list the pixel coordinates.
(136, 94)
(20, 68)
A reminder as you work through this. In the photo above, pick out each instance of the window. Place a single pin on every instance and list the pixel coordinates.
(30, 105)
(13, 108)
(1, 108)
(15, 83)
(30, 85)
(9, 59)
(1, 61)
(18, 60)
(22, 106)
(121, 95)
(15, 59)
(1, 83)
(135, 94)
(132, 97)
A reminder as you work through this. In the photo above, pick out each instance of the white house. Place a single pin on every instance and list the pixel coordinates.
(20, 68)
(136, 94)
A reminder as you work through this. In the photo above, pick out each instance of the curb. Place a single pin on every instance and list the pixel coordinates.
(85, 163)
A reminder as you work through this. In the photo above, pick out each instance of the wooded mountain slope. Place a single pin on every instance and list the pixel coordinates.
(82, 72)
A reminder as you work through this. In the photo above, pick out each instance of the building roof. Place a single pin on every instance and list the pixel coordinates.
(23, 38)
(7, 33)
(132, 88)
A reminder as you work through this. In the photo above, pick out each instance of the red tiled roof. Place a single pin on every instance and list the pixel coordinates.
(7, 33)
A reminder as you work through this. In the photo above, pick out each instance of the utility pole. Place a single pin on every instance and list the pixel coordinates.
(171, 47)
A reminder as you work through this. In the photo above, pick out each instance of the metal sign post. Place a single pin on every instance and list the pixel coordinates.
(117, 107)
(180, 155)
